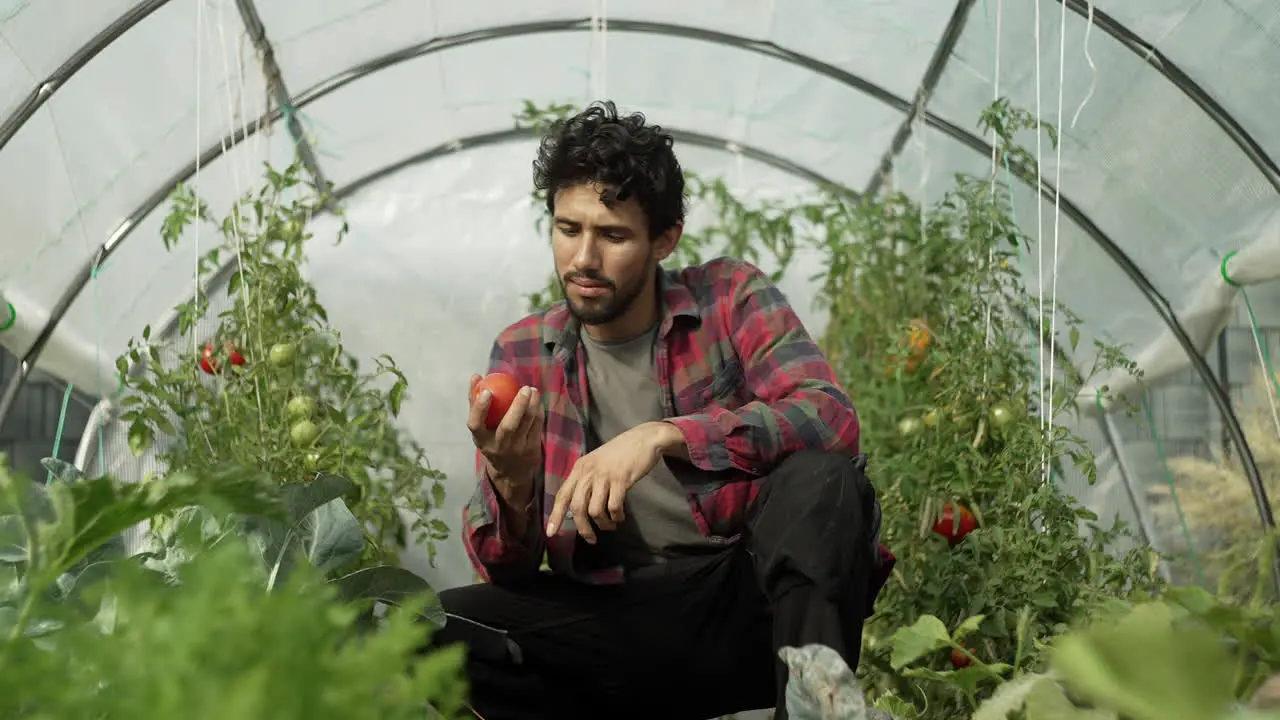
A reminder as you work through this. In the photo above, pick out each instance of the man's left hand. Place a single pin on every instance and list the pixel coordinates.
(599, 481)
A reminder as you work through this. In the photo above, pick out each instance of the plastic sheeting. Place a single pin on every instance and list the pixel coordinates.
(441, 253)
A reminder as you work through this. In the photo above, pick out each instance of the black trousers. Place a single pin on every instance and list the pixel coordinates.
(695, 637)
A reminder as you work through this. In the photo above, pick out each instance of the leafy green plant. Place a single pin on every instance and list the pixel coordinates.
(315, 528)
(59, 539)
(86, 632)
(272, 387)
(1187, 655)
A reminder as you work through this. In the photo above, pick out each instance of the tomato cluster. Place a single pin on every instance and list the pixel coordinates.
(918, 341)
(210, 363)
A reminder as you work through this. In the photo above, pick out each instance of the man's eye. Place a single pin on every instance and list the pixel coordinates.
(568, 231)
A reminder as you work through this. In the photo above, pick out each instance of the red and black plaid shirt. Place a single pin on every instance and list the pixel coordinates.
(740, 376)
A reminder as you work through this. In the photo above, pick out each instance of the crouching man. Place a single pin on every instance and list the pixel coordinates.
(680, 453)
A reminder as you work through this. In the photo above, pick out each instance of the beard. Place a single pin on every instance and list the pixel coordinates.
(606, 308)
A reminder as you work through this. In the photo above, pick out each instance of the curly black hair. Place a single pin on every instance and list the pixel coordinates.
(623, 154)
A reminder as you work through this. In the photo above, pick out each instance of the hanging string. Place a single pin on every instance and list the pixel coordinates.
(1088, 57)
(1040, 349)
(1057, 227)
(995, 151)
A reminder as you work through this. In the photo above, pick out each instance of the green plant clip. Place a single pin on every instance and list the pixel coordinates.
(1222, 267)
(13, 318)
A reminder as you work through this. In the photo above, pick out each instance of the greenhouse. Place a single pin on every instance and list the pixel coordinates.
(254, 250)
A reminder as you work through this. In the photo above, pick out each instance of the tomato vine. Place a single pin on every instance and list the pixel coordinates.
(256, 376)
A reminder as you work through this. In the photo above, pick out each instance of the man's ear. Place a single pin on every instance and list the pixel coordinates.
(665, 244)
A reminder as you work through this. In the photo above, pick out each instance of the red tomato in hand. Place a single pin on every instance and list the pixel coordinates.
(504, 389)
(954, 531)
(959, 660)
(208, 362)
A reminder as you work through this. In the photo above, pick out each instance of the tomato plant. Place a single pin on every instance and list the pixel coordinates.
(310, 407)
(959, 659)
(504, 389)
(942, 282)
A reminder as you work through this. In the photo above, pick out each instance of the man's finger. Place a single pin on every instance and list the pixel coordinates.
(578, 506)
(561, 505)
(616, 505)
(510, 425)
(531, 426)
(471, 387)
(479, 409)
(597, 509)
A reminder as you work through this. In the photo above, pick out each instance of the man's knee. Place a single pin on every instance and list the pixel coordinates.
(474, 617)
(816, 518)
(828, 484)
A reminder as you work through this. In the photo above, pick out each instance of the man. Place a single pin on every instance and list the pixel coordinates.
(681, 453)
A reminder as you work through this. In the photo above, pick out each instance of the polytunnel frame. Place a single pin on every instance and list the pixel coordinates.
(913, 111)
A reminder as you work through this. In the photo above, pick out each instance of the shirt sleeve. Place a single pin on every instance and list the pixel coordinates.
(798, 405)
(498, 555)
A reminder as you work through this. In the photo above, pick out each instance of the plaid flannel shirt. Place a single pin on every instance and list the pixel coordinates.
(741, 379)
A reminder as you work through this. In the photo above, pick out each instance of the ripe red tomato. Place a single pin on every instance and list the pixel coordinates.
(208, 362)
(959, 659)
(954, 531)
(504, 389)
(234, 354)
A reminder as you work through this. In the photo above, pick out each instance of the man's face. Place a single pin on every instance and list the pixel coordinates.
(604, 256)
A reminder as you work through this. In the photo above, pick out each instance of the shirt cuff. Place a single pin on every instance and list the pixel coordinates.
(705, 440)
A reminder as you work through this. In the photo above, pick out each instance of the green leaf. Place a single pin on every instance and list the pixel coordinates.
(62, 470)
(966, 679)
(968, 627)
(1048, 701)
(911, 643)
(139, 437)
(394, 586)
(396, 396)
(13, 539)
(332, 536)
(1073, 338)
(1145, 669)
(301, 499)
(1010, 697)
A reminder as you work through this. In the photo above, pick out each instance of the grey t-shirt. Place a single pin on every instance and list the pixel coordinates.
(622, 381)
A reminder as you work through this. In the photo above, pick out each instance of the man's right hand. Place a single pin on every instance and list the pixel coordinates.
(513, 451)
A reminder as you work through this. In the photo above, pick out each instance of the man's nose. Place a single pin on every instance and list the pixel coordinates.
(586, 256)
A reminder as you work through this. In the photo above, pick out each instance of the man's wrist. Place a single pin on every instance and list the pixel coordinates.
(668, 440)
(517, 494)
